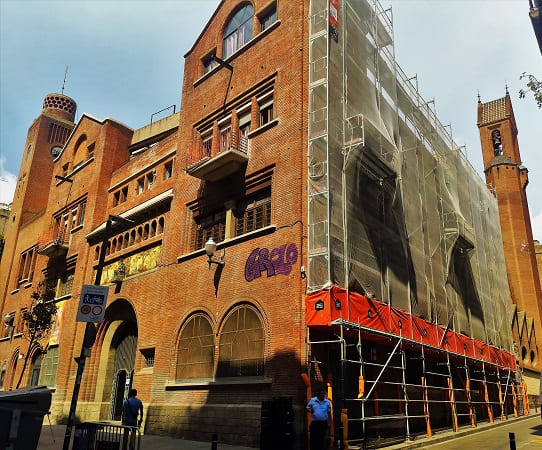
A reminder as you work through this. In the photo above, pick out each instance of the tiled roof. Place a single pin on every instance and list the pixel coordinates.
(494, 110)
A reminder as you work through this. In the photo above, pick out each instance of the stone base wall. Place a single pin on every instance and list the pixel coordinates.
(235, 424)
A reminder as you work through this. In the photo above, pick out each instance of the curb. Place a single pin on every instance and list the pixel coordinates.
(449, 435)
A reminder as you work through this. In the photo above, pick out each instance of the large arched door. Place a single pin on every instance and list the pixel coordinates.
(124, 344)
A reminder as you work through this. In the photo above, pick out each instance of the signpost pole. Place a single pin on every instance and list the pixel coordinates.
(84, 350)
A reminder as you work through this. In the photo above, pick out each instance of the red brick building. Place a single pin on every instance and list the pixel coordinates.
(342, 212)
(508, 178)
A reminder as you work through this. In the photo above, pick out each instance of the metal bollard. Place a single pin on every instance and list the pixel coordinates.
(512, 438)
(214, 442)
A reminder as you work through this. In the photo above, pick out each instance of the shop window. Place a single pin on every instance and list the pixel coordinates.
(254, 213)
(195, 351)
(49, 366)
(238, 31)
(212, 225)
(241, 344)
(268, 17)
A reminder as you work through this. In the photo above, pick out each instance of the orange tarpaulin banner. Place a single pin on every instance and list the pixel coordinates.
(325, 306)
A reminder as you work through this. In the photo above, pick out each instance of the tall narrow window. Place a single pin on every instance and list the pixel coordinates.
(168, 170)
(49, 366)
(254, 213)
(35, 369)
(268, 18)
(195, 352)
(241, 344)
(238, 31)
(212, 225)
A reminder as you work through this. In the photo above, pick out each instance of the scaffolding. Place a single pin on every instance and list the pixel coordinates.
(396, 212)
(393, 388)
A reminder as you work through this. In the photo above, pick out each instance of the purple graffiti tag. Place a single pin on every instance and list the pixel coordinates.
(279, 261)
(252, 267)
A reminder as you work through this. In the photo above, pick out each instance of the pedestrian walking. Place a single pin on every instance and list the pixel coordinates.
(320, 409)
(132, 408)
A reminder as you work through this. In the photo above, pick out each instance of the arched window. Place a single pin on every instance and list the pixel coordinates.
(241, 345)
(3, 374)
(80, 152)
(49, 366)
(195, 351)
(238, 31)
(35, 369)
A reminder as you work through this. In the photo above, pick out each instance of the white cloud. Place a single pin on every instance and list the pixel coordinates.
(8, 182)
(536, 224)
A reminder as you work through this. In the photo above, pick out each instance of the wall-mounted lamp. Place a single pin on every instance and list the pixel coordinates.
(210, 249)
(21, 355)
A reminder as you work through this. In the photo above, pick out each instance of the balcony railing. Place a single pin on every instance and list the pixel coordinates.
(54, 242)
(229, 156)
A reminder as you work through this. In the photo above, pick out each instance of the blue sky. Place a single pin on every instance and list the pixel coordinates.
(125, 61)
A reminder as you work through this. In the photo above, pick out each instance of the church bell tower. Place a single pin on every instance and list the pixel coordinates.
(508, 178)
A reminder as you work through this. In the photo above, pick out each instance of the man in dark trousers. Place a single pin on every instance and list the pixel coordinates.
(320, 409)
(131, 409)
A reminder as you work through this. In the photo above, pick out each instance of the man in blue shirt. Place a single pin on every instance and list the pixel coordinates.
(320, 408)
(131, 409)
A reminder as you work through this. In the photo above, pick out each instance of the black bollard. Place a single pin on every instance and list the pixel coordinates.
(214, 442)
(512, 438)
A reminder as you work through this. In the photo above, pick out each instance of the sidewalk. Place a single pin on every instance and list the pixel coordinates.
(55, 440)
(444, 436)
(153, 442)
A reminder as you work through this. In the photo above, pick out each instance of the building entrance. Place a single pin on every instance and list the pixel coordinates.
(124, 344)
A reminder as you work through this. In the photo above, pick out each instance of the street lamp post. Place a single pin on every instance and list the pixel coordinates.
(90, 331)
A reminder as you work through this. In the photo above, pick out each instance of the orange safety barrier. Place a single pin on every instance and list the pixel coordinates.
(452, 404)
(515, 401)
(325, 306)
(344, 421)
(332, 421)
(361, 387)
(426, 409)
(471, 411)
(486, 398)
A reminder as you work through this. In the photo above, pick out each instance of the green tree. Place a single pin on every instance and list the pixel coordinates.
(38, 319)
(534, 86)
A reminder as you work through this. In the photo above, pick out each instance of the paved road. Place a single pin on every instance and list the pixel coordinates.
(528, 435)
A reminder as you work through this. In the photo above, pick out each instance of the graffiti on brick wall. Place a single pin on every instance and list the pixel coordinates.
(278, 261)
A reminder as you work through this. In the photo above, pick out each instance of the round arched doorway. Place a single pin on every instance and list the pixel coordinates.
(124, 345)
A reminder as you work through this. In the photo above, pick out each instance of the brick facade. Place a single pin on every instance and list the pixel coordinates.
(508, 177)
(118, 171)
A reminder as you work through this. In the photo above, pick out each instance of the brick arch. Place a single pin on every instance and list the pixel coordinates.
(118, 313)
(12, 370)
